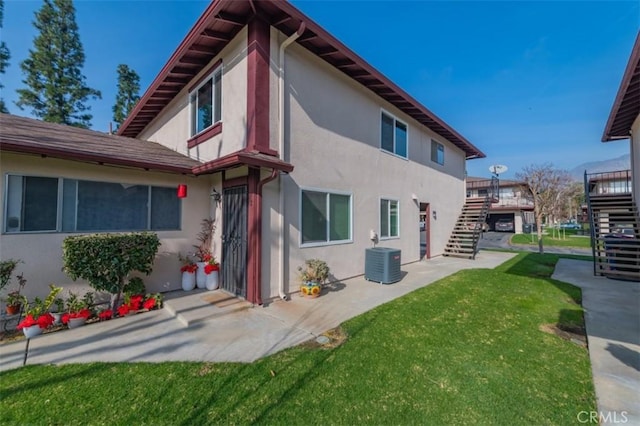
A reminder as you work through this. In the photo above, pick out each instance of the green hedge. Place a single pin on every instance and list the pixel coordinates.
(105, 260)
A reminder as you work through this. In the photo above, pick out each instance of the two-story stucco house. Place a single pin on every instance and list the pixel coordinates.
(311, 150)
(509, 204)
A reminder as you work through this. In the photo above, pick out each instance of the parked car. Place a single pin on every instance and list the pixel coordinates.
(570, 225)
(504, 225)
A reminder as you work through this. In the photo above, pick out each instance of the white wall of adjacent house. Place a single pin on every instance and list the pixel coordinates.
(635, 158)
(333, 139)
(172, 126)
(41, 252)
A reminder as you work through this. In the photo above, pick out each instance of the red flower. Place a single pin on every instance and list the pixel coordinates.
(209, 268)
(123, 310)
(149, 304)
(206, 257)
(28, 321)
(106, 314)
(65, 318)
(84, 313)
(45, 320)
(135, 302)
(189, 268)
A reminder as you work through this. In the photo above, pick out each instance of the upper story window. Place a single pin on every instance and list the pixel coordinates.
(51, 204)
(206, 102)
(325, 217)
(437, 152)
(393, 135)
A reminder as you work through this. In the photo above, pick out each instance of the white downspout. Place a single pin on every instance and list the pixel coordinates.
(281, 265)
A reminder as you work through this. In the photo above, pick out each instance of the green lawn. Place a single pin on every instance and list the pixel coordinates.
(568, 240)
(465, 350)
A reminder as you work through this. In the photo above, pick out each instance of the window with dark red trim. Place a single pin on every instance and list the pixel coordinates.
(206, 102)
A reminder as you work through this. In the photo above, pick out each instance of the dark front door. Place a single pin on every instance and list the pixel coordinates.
(234, 240)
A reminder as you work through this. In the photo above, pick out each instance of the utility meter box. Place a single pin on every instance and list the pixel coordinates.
(382, 264)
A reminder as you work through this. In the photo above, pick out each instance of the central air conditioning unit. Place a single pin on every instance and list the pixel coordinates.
(382, 264)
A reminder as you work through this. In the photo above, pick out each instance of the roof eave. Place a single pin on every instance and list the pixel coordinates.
(65, 154)
(630, 71)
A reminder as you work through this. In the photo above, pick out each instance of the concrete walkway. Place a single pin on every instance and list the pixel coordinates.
(213, 326)
(612, 319)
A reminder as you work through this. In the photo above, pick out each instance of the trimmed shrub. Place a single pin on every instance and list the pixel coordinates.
(105, 260)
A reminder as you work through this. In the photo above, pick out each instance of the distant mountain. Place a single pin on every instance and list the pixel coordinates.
(620, 163)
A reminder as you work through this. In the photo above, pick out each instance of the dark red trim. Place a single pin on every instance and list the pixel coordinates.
(427, 237)
(65, 154)
(258, 247)
(239, 181)
(626, 106)
(253, 219)
(192, 37)
(205, 135)
(259, 33)
(243, 158)
(206, 75)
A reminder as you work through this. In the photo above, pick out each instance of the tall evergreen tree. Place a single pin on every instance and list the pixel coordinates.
(56, 89)
(128, 93)
(4, 57)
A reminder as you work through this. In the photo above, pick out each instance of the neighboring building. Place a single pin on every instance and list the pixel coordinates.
(509, 204)
(613, 198)
(311, 148)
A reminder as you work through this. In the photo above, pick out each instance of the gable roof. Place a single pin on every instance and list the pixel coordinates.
(626, 106)
(29, 136)
(223, 20)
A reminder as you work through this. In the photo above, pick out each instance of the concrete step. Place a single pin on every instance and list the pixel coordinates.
(192, 307)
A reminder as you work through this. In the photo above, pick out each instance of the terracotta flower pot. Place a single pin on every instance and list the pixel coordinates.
(13, 309)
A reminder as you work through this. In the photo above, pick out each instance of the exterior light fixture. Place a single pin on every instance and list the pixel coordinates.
(215, 195)
(435, 215)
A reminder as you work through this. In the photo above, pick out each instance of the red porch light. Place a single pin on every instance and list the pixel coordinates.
(182, 191)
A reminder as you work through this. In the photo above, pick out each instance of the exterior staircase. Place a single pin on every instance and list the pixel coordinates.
(615, 227)
(468, 229)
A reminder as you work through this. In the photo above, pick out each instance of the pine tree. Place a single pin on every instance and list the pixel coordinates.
(4, 57)
(56, 90)
(128, 89)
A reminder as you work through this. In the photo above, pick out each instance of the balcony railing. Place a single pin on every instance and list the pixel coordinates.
(491, 185)
(618, 182)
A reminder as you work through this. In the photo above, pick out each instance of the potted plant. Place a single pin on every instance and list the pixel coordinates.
(211, 270)
(38, 317)
(15, 299)
(188, 270)
(57, 308)
(77, 309)
(152, 301)
(203, 250)
(312, 276)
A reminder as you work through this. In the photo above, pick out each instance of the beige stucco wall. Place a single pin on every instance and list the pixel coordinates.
(171, 127)
(42, 252)
(635, 159)
(332, 136)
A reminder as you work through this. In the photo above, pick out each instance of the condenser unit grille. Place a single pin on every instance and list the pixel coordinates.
(382, 264)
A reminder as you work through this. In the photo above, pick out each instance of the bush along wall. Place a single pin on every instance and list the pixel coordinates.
(106, 260)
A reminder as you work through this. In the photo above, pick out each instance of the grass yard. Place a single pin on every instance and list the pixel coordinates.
(569, 240)
(466, 350)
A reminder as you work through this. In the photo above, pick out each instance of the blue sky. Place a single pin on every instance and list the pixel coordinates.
(526, 82)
